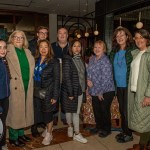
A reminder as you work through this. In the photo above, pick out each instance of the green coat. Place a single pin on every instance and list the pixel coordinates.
(138, 116)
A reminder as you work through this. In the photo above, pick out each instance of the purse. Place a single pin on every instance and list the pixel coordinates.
(40, 92)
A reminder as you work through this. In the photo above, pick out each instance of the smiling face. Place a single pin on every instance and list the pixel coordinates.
(18, 40)
(42, 34)
(62, 35)
(43, 49)
(3, 49)
(140, 42)
(98, 49)
(121, 38)
(76, 48)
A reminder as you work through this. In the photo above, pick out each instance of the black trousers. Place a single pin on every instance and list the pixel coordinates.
(122, 93)
(102, 112)
(4, 103)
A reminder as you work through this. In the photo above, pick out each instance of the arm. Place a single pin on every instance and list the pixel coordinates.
(146, 100)
(67, 76)
(56, 88)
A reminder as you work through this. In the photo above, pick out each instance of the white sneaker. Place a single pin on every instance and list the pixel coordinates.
(5, 147)
(79, 138)
(48, 138)
(44, 133)
(70, 131)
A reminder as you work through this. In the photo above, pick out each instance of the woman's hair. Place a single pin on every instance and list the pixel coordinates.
(145, 34)
(71, 45)
(129, 42)
(100, 42)
(50, 53)
(5, 61)
(25, 41)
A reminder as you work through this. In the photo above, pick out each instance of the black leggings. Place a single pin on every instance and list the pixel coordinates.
(101, 111)
(122, 100)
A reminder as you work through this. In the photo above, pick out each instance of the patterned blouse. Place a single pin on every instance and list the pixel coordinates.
(100, 73)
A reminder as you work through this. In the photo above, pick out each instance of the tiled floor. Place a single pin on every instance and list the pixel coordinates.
(62, 142)
(94, 143)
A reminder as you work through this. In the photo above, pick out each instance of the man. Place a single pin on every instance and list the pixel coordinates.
(42, 33)
(60, 47)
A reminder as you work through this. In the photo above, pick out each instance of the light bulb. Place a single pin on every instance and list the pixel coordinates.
(78, 35)
(139, 25)
(96, 32)
(86, 34)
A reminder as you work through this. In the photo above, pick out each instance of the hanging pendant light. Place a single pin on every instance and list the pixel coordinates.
(96, 31)
(86, 33)
(139, 24)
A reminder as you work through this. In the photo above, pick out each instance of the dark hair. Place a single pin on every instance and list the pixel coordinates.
(71, 45)
(145, 34)
(5, 61)
(40, 28)
(129, 43)
(50, 54)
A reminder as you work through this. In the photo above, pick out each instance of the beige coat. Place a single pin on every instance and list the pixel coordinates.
(20, 113)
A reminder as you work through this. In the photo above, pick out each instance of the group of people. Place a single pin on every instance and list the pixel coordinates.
(59, 68)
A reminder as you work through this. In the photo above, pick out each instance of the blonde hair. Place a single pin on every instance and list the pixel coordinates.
(100, 42)
(25, 41)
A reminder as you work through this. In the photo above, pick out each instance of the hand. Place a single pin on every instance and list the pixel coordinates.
(53, 101)
(101, 98)
(146, 101)
(71, 98)
(89, 83)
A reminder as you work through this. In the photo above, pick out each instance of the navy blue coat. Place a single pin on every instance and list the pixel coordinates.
(4, 81)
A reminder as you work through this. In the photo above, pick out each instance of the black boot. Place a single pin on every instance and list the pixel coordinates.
(34, 131)
(16, 143)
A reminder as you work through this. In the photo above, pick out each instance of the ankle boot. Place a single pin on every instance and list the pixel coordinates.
(34, 131)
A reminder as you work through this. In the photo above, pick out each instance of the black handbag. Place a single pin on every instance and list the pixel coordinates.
(40, 92)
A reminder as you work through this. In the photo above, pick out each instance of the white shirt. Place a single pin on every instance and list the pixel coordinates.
(135, 66)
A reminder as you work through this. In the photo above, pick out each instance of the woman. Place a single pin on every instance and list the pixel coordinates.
(121, 58)
(4, 91)
(73, 89)
(101, 88)
(139, 89)
(20, 112)
(46, 76)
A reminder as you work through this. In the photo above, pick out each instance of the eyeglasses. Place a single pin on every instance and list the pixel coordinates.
(44, 33)
(138, 38)
(18, 38)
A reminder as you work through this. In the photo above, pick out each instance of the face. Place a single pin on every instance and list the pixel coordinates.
(18, 40)
(76, 48)
(42, 34)
(98, 49)
(62, 35)
(121, 38)
(43, 48)
(140, 42)
(3, 49)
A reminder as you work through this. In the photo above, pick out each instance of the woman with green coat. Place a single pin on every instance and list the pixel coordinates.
(139, 89)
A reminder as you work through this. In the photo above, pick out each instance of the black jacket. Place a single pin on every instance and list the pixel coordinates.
(70, 85)
(50, 79)
(33, 46)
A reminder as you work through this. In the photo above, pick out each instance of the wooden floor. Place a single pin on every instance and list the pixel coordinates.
(59, 136)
